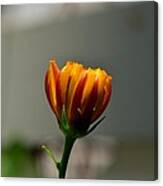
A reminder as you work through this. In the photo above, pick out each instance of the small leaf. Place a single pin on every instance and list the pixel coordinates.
(50, 154)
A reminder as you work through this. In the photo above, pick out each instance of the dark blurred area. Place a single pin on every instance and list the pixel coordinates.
(118, 37)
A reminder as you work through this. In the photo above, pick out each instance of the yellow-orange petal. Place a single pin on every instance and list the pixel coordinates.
(58, 95)
(47, 90)
(76, 73)
(101, 78)
(91, 76)
(90, 104)
(65, 77)
(107, 90)
(50, 85)
(75, 107)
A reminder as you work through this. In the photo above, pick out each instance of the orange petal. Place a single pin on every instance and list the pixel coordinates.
(50, 85)
(107, 90)
(47, 90)
(76, 74)
(101, 76)
(58, 96)
(91, 101)
(65, 80)
(75, 106)
(91, 76)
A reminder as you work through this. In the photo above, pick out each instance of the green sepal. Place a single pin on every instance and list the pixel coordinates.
(95, 125)
(65, 126)
(64, 123)
(92, 128)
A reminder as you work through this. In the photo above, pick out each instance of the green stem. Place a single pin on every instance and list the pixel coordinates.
(69, 141)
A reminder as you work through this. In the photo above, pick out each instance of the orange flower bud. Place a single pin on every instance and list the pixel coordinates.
(83, 93)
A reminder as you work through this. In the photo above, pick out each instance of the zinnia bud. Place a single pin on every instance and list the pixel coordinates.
(77, 94)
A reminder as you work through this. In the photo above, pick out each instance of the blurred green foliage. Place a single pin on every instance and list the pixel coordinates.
(19, 160)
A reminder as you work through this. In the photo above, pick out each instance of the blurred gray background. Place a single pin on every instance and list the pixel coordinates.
(118, 37)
